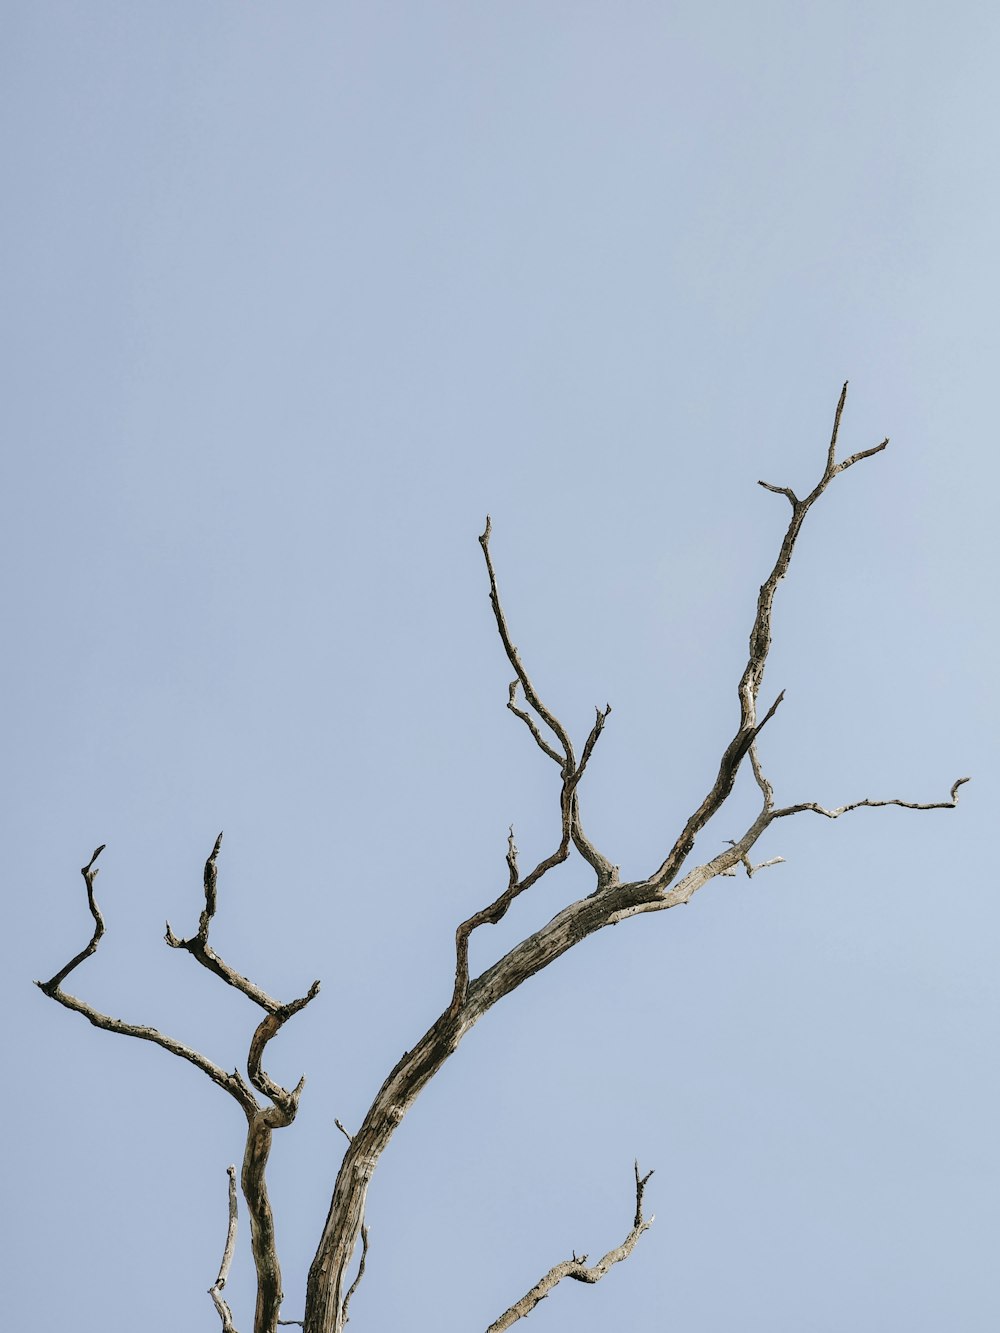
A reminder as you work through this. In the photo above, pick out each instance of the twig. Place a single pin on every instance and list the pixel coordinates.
(532, 726)
(530, 693)
(591, 741)
(759, 777)
(215, 1290)
(489, 915)
(233, 1083)
(748, 865)
(89, 873)
(361, 1272)
(759, 647)
(839, 810)
(198, 946)
(576, 1268)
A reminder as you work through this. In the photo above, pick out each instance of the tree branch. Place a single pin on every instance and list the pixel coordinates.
(532, 726)
(89, 873)
(216, 1289)
(576, 1268)
(261, 1121)
(198, 946)
(361, 1272)
(485, 916)
(231, 1083)
(610, 903)
(817, 809)
(759, 647)
(571, 771)
(530, 693)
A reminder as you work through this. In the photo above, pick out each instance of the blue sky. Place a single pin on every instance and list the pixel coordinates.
(296, 294)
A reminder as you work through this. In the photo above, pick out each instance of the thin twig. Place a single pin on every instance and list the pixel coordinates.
(215, 1290)
(839, 810)
(89, 873)
(532, 726)
(759, 777)
(748, 865)
(759, 648)
(361, 1272)
(786, 491)
(530, 693)
(591, 741)
(198, 946)
(489, 915)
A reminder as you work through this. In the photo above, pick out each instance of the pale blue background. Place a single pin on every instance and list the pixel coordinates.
(293, 294)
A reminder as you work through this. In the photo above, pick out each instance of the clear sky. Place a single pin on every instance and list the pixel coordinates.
(294, 293)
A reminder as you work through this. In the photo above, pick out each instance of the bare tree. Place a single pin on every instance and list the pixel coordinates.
(267, 1106)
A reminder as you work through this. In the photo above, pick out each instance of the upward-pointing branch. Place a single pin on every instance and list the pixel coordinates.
(231, 1083)
(759, 647)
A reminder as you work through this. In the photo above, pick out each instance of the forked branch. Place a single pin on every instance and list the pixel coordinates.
(326, 1307)
(198, 946)
(530, 693)
(759, 648)
(577, 1268)
(610, 903)
(233, 1083)
(261, 1120)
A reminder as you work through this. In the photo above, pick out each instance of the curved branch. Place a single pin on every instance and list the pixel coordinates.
(89, 873)
(361, 1272)
(198, 946)
(266, 1029)
(570, 770)
(530, 693)
(231, 1083)
(261, 1122)
(576, 1268)
(490, 915)
(532, 726)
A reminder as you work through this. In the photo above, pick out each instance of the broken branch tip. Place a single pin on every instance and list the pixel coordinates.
(90, 864)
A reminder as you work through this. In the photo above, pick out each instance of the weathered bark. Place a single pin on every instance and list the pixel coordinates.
(577, 1267)
(218, 1286)
(261, 1121)
(610, 902)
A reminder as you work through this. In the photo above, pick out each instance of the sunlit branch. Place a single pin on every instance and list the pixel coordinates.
(577, 1268)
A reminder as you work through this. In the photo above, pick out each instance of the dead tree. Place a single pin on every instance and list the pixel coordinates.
(268, 1106)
